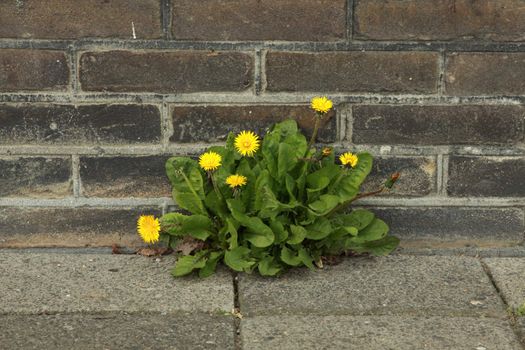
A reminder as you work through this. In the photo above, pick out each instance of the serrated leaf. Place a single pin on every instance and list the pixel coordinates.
(198, 226)
(231, 228)
(324, 204)
(320, 229)
(279, 231)
(380, 247)
(215, 204)
(268, 267)
(350, 184)
(258, 233)
(358, 218)
(298, 234)
(188, 185)
(238, 258)
(186, 264)
(289, 258)
(306, 258)
(211, 264)
(375, 231)
(172, 223)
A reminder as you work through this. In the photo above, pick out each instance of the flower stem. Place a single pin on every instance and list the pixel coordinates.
(215, 187)
(316, 129)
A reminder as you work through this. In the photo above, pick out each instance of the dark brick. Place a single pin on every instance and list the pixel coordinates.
(213, 123)
(181, 71)
(67, 124)
(465, 226)
(22, 69)
(21, 226)
(72, 19)
(418, 175)
(422, 125)
(485, 74)
(486, 176)
(35, 177)
(501, 20)
(306, 20)
(380, 72)
(124, 177)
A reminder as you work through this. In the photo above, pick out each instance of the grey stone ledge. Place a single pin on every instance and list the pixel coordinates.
(407, 285)
(376, 333)
(66, 283)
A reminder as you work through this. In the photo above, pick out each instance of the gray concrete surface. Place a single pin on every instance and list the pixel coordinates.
(520, 327)
(509, 276)
(417, 285)
(377, 333)
(90, 299)
(55, 283)
(117, 331)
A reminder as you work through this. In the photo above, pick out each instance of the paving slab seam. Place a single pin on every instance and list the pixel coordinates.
(108, 313)
(512, 319)
(237, 307)
(508, 252)
(517, 251)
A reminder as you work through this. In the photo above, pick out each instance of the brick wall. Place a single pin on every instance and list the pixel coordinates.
(95, 95)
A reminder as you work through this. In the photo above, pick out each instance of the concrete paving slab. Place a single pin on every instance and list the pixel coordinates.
(377, 332)
(520, 325)
(509, 275)
(413, 285)
(117, 331)
(54, 283)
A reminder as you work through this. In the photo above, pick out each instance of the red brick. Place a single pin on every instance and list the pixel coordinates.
(499, 20)
(485, 74)
(69, 227)
(213, 123)
(71, 19)
(473, 176)
(22, 69)
(181, 71)
(45, 124)
(438, 125)
(305, 20)
(418, 175)
(380, 72)
(124, 176)
(35, 177)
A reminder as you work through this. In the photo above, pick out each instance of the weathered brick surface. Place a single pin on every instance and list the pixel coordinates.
(485, 74)
(84, 124)
(213, 123)
(59, 19)
(486, 176)
(21, 226)
(418, 175)
(380, 72)
(181, 71)
(499, 20)
(35, 177)
(306, 20)
(22, 69)
(124, 177)
(461, 226)
(438, 125)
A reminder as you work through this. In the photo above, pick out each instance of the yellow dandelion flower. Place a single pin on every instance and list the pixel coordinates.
(236, 180)
(210, 161)
(349, 159)
(247, 143)
(148, 228)
(321, 104)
